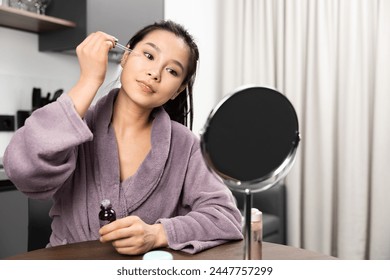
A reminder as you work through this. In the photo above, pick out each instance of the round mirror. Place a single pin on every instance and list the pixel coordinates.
(250, 138)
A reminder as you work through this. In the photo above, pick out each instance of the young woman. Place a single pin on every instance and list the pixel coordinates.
(131, 147)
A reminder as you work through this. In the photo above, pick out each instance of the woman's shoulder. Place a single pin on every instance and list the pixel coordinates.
(183, 134)
(178, 131)
(101, 111)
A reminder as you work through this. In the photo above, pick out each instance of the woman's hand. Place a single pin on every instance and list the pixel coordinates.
(132, 236)
(93, 59)
(92, 54)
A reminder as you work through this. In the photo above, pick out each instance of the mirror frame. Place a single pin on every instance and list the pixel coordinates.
(262, 183)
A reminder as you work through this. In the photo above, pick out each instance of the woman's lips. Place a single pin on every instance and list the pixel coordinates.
(146, 87)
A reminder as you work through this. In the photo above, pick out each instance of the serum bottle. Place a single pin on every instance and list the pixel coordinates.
(106, 214)
(257, 225)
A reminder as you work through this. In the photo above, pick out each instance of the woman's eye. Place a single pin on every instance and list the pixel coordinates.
(148, 56)
(171, 71)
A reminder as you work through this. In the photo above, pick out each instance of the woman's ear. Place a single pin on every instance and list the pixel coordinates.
(181, 88)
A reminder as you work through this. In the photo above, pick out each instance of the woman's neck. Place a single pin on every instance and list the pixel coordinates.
(128, 117)
(133, 129)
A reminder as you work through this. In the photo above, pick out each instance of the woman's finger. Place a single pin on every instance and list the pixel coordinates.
(96, 41)
(134, 241)
(120, 223)
(118, 234)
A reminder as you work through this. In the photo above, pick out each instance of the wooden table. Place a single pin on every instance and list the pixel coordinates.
(94, 250)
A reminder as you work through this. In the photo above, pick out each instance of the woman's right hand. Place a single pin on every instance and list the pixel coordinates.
(93, 59)
(92, 54)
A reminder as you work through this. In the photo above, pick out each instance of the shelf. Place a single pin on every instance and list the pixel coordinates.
(28, 21)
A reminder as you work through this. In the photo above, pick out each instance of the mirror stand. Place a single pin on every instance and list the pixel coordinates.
(250, 140)
(248, 222)
(247, 228)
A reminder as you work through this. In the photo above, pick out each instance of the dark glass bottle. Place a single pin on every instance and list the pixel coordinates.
(106, 214)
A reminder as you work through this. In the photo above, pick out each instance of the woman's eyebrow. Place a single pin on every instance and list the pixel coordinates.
(159, 50)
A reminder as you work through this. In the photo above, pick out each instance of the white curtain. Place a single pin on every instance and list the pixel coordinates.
(331, 58)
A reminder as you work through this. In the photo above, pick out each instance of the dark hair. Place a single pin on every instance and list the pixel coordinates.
(179, 109)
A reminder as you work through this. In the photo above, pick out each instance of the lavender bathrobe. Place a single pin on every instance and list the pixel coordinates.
(75, 161)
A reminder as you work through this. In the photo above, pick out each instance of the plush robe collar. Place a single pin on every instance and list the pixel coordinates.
(133, 191)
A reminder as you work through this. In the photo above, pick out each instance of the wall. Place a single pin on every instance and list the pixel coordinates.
(205, 32)
(22, 67)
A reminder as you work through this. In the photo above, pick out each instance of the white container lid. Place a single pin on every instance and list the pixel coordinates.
(256, 215)
(158, 255)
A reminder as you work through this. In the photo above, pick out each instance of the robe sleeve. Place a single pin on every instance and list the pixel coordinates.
(42, 154)
(214, 218)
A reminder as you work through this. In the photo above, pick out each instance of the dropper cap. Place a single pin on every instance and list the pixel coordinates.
(256, 215)
(106, 203)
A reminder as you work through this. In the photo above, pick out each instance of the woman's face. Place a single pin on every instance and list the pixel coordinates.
(154, 72)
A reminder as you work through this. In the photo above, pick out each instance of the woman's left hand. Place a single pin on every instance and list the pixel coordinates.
(132, 236)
